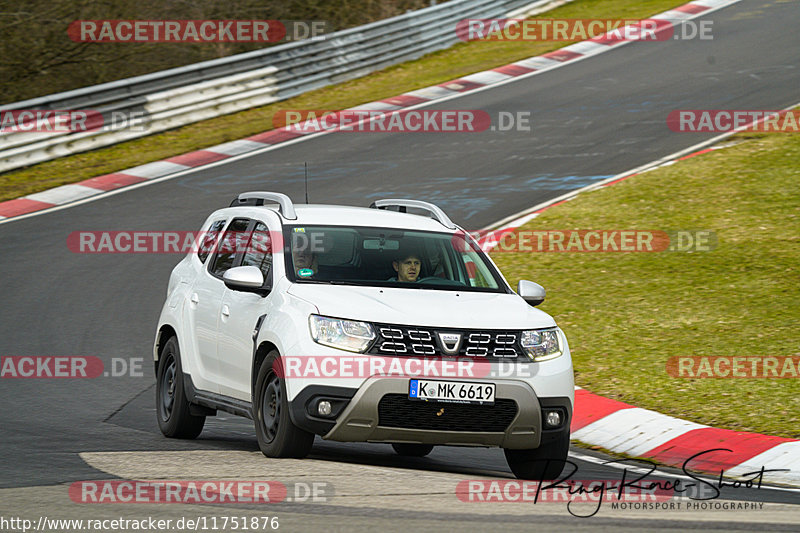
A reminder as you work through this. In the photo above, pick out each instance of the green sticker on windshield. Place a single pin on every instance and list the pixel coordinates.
(305, 272)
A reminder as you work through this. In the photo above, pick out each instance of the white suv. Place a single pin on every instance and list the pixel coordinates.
(361, 325)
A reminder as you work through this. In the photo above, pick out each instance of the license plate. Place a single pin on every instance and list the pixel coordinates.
(451, 391)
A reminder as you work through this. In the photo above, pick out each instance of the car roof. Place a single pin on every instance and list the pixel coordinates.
(340, 215)
(318, 214)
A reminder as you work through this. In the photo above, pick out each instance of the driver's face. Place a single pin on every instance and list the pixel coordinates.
(407, 269)
(303, 258)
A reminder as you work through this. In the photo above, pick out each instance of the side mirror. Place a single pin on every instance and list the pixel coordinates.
(531, 292)
(244, 278)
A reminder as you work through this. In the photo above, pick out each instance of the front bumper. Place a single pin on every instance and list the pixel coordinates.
(358, 417)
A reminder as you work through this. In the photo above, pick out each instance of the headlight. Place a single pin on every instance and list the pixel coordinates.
(541, 344)
(343, 334)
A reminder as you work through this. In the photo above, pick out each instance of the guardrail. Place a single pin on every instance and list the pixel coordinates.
(180, 96)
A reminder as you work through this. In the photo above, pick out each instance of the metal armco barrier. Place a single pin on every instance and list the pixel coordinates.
(179, 96)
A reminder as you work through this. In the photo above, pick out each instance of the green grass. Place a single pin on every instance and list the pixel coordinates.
(457, 61)
(625, 314)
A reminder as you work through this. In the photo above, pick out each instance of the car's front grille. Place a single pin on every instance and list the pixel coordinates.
(398, 411)
(395, 339)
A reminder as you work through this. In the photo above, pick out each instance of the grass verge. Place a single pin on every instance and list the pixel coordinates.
(459, 60)
(626, 314)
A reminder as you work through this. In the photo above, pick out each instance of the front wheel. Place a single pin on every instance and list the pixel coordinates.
(545, 462)
(276, 433)
(172, 406)
(412, 450)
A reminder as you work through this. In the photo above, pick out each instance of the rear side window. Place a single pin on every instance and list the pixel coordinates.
(234, 239)
(208, 239)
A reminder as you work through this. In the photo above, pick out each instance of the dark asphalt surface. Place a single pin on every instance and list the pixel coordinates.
(592, 119)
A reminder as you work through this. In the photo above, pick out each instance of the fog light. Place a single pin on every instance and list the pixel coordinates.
(552, 419)
(324, 408)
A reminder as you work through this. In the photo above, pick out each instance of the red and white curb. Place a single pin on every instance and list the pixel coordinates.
(87, 189)
(637, 432)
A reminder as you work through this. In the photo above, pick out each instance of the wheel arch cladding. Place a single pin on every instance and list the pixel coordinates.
(164, 334)
(261, 353)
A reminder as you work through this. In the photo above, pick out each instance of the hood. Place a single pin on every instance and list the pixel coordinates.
(423, 307)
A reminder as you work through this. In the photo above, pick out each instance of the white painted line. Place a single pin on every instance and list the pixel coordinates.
(519, 222)
(432, 93)
(634, 431)
(64, 194)
(235, 147)
(488, 244)
(487, 77)
(155, 169)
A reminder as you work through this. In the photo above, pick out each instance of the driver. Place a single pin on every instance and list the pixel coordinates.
(305, 259)
(408, 266)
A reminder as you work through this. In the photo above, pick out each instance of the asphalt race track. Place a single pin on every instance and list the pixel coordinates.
(590, 120)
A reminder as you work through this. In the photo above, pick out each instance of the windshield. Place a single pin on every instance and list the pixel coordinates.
(388, 257)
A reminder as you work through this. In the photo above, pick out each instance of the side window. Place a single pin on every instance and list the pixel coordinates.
(208, 239)
(259, 250)
(234, 240)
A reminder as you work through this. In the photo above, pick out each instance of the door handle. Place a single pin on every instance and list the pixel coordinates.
(226, 311)
(195, 299)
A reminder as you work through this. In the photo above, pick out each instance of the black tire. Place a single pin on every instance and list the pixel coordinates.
(412, 450)
(276, 433)
(545, 462)
(172, 406)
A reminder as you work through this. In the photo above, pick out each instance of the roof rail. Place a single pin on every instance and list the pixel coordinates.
(402, 204)
(285, 205)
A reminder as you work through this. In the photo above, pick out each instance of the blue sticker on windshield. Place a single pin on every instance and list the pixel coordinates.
(305, 272)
